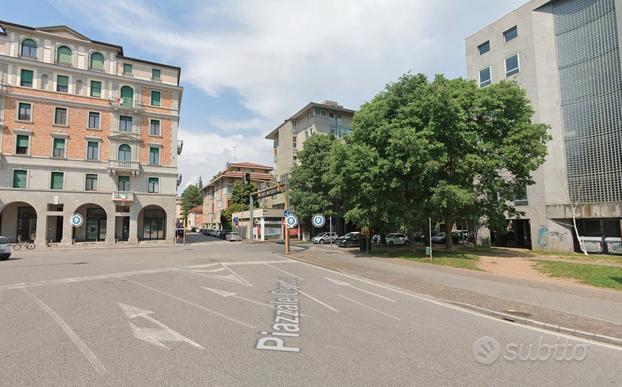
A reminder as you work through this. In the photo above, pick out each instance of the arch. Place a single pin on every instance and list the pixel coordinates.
(18, 220)
(28, 49)
(96, 62)
(94, 224)
(127, 96)
(124, 153)
(152, 223)
(63, 56)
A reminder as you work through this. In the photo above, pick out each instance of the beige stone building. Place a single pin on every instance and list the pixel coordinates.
(288, 138)
(217, 193)
(85, 130)
(566, 55)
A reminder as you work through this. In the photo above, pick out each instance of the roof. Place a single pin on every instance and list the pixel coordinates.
(196, 210)
(250, 165)
(259, 177)
(326, 105)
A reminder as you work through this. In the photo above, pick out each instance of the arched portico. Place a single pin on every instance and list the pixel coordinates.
(18, 220)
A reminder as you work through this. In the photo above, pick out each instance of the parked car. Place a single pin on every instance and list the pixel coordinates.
(351, 239)
(234, 237)
(420, 236)
(325, 237)
(5, 248)
(376, 239)
(396, 239)
(440, 237)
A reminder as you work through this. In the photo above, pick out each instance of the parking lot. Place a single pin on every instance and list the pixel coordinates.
(212, 314)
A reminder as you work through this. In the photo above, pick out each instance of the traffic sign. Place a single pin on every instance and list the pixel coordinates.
(291, 220)
(76, 220)
(318, 220)
(286, 213)
(236, 220)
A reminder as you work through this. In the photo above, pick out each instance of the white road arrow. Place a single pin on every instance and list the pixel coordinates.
(225, 294)
(153, 336)
(341, 283)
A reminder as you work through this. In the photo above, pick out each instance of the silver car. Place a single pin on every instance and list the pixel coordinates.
(233, 237)
(325, 237)
(396, 239)
(5, 248)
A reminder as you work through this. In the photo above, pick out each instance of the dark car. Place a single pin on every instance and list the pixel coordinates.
(351, 239)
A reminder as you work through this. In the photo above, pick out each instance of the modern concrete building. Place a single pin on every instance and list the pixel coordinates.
(288, 138)
(566, 54)
(217, 194)
(85, 130)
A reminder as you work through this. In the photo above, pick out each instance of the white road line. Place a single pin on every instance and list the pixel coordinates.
(246, 263)
(283, 271)
(238, 276)
(203, 308)
(86, 352)
(340, 283)
(441, 303)
(370, 308)
(318, 301)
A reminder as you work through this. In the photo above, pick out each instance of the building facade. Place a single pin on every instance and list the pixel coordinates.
(217, 194)
(288, 138)
(85, 130)
(566, 55)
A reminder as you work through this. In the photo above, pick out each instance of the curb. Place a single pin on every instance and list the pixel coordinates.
(491, 313)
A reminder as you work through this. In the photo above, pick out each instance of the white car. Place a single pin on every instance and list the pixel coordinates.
(233, 237)
(396, 239)
(5, 248)
(325, 237)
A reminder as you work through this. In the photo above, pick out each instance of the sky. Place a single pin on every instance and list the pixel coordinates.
(247, 65)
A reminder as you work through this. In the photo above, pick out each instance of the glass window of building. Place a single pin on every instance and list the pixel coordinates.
(484, 47)
(22, 143)
(24, 112)
(127, 69)
(29, 49)
(60, 116)
(153, 185)
(155, 98)
(96, 89)
(94, 120)
(155, 74)
(510, 34)
(154, 128)
(92, 150)
(154, 155)
(62, 83)
(25, 79)
(63, 56)
(512, 65)
(125, 123)
(20, 178)
(485, 77)
(91, 182)
(58, 148)
(57, 180)
(97, 61)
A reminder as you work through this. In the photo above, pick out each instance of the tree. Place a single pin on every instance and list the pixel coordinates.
(190, 198)
(241, 193)
(444, 149)
(310, 183)
(200, 183)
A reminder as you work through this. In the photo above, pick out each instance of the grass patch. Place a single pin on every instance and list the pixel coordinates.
(581, 257)
(601, 276)
(459, 260)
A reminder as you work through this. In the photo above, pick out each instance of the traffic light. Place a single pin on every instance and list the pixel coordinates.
(247, 178)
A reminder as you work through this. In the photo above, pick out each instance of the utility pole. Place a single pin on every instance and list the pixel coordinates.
(247, 180)
(285, 222)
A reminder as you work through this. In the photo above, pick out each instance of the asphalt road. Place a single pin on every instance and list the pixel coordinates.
(206, 314)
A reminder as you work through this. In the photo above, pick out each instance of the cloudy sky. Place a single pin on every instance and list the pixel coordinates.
(249, 64)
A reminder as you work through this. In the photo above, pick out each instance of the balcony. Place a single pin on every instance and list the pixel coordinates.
(123, 167)
(123, 196)
(126, 104)
(180, 146)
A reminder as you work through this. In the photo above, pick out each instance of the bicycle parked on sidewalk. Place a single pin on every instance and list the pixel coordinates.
(19, 244)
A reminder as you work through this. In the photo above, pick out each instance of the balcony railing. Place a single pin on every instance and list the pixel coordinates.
(124, 166)
(123, 196)
(126, 104)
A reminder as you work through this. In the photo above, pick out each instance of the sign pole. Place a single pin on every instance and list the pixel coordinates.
(251, 226)
(430, 235)
(330, 229)
(286, 226)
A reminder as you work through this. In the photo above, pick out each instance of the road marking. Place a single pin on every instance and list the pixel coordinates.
(283, 271)
(370, 308)
(208, 271)
(239, 277)
(153, 336)
(341, 283)
(201, 307)
(246, 263)
(225, 294)
(318, 301)
(84, 349)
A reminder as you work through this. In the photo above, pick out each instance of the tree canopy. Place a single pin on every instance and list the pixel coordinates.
(190, 198)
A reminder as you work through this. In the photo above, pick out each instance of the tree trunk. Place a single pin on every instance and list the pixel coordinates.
(411, 240)
(449, 243)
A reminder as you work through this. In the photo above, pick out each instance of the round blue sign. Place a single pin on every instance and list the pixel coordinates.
(318, 220)
(76, 220)
(291, 221)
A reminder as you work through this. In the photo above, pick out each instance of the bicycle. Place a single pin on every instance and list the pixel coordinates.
(19, 244)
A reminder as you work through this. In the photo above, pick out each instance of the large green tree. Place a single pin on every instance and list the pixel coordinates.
(444, 149)
(310, 183)
(190, 198)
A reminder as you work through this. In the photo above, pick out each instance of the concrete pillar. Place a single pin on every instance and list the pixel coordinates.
(110, 226)
(41, 226)
(170, 225)
(67, 227)
(133, 237)
(263, 229)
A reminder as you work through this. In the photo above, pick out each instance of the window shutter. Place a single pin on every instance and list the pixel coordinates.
(63, 56)
(22, 141)
(155, 74)
(19, 179)
(57, 180)
(97, 61)
(155, 98)
(96, 89)
(63, 80)
(26, 76)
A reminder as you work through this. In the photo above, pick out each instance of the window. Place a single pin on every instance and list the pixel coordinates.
(512, 65)
(155, 74)
(125, 123)
(484, 47)
(153, 185)
(123, 183)
(29, 49)
(92, 150)
(91, 182)
(60, 116)
(20, 178)
(97, 61)
(93, 120)
(26, 78)
(155, 98)
(127, 96)
(510, 34)
(485, 77)
(520, 197)
(57, 180)
(154, 155)
(154, 128)
(58, 148)
(63, 56)
(62, 83)
(127, 69)
(125, 152)
(96, 89)
(22, 143)
(24, 112)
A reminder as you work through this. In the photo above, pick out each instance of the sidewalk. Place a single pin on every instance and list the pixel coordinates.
(577, 307)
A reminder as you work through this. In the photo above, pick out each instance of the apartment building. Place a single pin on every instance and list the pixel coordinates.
(288, 138)
(217, 193)
(85, 130)
(566, 54)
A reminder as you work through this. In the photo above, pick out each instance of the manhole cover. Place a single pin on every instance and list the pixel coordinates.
(518, 313)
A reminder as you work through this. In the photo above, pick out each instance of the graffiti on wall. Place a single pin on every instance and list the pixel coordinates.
(544, 232)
